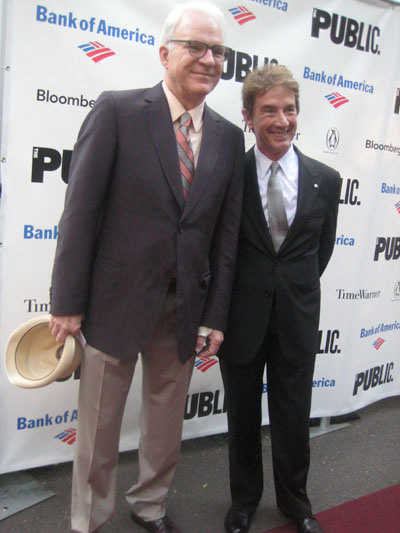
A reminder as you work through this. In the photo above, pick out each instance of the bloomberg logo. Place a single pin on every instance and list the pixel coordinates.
(346, 31)
(44, 95)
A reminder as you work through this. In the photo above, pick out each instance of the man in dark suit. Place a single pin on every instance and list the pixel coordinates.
(145, 257)
(286, 238)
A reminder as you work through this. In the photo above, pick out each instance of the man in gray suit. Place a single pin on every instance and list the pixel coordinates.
(286, 239)
(145, 262)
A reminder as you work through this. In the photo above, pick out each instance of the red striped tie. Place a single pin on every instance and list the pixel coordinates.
(185, 152)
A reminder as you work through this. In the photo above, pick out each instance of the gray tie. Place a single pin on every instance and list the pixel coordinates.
(278, 224)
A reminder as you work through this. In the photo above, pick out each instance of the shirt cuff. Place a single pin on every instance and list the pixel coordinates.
(204, 331)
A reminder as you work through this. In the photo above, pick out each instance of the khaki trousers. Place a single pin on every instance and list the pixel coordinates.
(104, 386)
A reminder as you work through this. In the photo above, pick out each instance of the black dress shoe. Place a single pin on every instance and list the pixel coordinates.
(309, 525)
(161, 525)
(237, 522)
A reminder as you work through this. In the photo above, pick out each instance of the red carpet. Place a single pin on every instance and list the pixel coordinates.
(376, 513)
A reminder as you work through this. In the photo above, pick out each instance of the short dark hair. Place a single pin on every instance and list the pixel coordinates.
(262, 79)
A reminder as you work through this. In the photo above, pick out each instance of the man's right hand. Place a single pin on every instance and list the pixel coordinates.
(62, 326)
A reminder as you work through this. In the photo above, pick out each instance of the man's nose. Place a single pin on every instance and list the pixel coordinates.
(281, 118)
(208, 57)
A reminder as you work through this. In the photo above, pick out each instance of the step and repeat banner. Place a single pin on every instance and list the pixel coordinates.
(62, 54)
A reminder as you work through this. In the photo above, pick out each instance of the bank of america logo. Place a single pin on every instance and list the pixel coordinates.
(336, 99)
(397, 206)
(378, 343)
(68, 436)
(96, 51)
(241, 14)
(205, 363)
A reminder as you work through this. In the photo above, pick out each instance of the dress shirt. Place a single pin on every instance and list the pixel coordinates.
(288, 175)
(196, 135)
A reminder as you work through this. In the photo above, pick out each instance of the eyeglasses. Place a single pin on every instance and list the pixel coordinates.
(199, 49)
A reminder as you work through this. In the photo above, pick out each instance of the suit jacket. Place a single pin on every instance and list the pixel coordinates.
(125, 225)
(290, 277)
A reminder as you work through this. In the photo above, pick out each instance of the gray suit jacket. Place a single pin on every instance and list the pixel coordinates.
(126, 226)
(291, 277)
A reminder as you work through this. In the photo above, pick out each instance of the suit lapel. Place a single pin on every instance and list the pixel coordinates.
(159, 122)
(252, 205)
(308, 186)
(209, 150)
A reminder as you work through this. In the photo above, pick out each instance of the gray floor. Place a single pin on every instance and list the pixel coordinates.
(346, 464)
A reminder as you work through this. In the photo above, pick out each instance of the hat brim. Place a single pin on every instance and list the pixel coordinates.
(34, 359)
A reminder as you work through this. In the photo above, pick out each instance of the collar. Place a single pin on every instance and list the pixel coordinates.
(177, 109)
(263, 162)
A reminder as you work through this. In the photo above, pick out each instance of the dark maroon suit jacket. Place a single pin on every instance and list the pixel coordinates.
(126, 226)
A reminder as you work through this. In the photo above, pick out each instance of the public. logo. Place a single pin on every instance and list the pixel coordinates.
(45, 159)
(241, 14)
(378, 343)
(332, 139)
(336, 99)
(68, 436)
(205, 363)
(346, 31)
(397, 102)
(96, 51)
(373, 377)
(396, 291)
(397, 206)
(389, 246)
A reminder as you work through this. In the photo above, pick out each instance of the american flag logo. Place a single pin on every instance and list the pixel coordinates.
(96, 51)
(241, 14)
(205, 363)
(336, 99)
(378, 343)
(68, 436)
(397, 206)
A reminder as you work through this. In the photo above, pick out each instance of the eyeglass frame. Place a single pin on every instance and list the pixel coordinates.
(189, 42)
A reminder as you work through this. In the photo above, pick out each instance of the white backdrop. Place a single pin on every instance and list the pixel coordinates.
(345, 55)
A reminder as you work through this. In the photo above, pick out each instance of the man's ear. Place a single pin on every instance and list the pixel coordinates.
(163, 52)
(248, 119)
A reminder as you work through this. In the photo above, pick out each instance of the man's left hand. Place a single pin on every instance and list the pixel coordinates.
(211, 347)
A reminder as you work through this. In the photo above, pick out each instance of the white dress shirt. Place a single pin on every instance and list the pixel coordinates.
(288, 175)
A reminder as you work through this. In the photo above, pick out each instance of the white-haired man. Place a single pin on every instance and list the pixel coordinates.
(145, 262)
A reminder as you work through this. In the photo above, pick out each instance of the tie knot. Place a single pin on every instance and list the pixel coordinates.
(274, 167)
(185, 120)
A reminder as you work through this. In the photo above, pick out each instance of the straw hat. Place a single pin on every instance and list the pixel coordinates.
(34, 359)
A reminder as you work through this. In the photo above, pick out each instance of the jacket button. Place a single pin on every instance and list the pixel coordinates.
(180, 229)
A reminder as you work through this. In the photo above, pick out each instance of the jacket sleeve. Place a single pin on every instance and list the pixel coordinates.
(224, 246)
(90, 172)
(328, 233)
